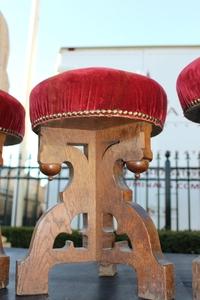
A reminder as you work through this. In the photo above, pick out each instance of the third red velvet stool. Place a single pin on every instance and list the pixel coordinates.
(188, 89)
(111, 115)
(12, 118)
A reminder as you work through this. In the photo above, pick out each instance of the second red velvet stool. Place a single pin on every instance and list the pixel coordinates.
(188, 89)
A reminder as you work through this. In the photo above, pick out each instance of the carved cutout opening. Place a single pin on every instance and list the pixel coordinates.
(119, 172)
(64, 179)
(123, 243)
(65, 240)
(82, 147)
(77, 239)
(109, 228)
(109, 223)
(80, 222)
(111, 239)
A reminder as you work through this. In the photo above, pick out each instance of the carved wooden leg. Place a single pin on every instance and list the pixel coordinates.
(32, 272)
(155, 275)
(4, 266)
(196, 278)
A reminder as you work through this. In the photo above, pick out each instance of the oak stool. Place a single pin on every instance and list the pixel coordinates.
(188, 89)
(110, 115)
(12, 118)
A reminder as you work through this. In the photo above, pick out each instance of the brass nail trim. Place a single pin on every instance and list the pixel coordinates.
(10, 132)
(193, 103)
(98, 112)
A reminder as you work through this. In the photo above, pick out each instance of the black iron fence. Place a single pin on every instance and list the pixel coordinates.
(169, 191)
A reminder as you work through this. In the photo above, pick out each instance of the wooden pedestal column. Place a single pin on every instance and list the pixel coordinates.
(4, 259)
(98, 191)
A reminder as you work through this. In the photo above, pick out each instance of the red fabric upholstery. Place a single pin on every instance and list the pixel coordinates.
(188, 89)
(98, 92)
(12, 118)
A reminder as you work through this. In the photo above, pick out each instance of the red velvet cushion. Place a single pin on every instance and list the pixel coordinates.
(12, 118)
(188, 89)
(98, 92)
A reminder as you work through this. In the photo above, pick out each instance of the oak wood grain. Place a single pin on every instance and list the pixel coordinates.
(97, 189)
(196, 278)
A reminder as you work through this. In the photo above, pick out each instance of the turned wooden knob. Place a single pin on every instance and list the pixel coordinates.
(137, 166)
(50, 169)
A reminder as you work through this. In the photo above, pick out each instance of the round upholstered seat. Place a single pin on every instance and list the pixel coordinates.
(188, 89)
(12, 118)
(98, 93)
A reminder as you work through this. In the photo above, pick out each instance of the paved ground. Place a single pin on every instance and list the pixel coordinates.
(80, 281)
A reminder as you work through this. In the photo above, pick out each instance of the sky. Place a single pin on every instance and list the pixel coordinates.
(65, 23)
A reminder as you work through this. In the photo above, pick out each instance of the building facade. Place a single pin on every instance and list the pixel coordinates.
(163, 64)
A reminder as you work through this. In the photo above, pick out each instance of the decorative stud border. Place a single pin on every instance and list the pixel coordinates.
(193, 103)
(11, 132)
(98, 112)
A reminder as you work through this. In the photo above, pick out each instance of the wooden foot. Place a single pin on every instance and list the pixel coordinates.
(196, 278)
(4, 266)
(107, 270)
(155, 275)
(98, 191)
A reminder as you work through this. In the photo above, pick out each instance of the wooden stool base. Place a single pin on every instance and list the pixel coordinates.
(4, 271)
(196, 278)
(97, 190)
(4, 266)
